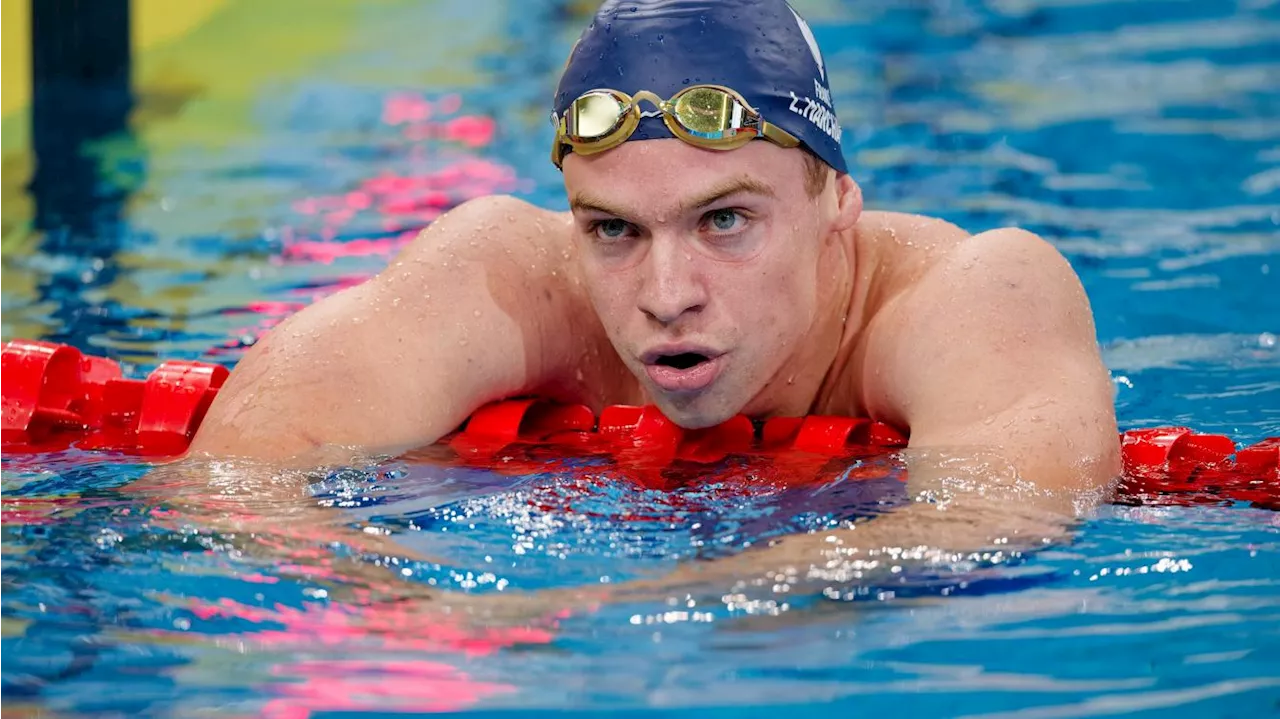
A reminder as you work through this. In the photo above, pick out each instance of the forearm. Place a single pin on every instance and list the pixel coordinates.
(961, 509)
(1067, 447)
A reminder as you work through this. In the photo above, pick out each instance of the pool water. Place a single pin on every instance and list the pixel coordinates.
(1141, 137)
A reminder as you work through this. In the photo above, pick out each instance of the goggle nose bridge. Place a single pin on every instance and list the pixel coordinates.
(663, 106)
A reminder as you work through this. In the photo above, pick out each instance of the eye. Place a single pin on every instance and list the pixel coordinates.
(725, 220)
(610, 230)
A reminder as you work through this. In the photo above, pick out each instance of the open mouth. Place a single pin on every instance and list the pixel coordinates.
(683, 371)
(684, 360)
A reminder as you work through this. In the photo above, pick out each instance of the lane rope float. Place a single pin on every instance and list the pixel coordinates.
(56, 397)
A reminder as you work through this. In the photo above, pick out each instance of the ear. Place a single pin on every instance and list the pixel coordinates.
(848, 203)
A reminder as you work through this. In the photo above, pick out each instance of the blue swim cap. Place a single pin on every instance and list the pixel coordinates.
(762, 49)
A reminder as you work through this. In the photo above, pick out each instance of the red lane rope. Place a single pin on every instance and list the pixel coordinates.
(56, 397)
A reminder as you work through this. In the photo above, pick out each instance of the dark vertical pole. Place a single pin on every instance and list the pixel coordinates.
(80, 94)
(80, 62)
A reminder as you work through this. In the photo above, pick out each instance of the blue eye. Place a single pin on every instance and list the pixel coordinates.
(725, 220)
(611, 229)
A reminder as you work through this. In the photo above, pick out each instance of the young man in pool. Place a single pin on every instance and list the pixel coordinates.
(716, 260)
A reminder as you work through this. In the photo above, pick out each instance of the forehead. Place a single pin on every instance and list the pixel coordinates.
(647, 176)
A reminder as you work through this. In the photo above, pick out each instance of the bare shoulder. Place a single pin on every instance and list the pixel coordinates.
(1005, 277)
(919, 260)
(893, 250)
(941, 296)
(1003, 269)
(1001, 297)
(501, 258)
(903, 238)
(481, 305)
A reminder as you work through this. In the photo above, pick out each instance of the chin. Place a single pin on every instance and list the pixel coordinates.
(695, 412)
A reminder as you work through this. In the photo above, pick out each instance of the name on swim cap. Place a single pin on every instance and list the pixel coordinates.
(761, 48)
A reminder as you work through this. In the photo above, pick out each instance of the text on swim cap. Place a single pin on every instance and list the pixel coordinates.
(817, 112)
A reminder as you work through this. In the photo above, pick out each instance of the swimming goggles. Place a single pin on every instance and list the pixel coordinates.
(709, 116)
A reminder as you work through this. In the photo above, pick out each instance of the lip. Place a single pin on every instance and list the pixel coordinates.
(673, 379)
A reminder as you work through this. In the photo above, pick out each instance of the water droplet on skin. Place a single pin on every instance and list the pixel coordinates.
(395, 302)
(462, 342)
(791, 379)
(476, 313)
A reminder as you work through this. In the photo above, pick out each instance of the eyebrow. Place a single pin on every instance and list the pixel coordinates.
(733, 186)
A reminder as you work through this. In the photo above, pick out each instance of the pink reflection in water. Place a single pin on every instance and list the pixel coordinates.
(398, 626)
(409, 685)
(401, 204)
(327, 252)
(403, 107)
(355, 684)
(474, 131)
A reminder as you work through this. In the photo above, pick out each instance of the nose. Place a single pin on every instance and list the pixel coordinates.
(672, 286)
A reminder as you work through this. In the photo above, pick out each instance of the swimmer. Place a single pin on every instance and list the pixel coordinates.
(716, 259)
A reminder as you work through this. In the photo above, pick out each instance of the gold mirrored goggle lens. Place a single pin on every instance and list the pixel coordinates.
(709, 113)
(594, 116)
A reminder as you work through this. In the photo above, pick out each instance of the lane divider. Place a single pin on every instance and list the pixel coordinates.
(56, 397)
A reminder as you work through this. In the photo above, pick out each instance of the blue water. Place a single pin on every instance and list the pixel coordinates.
(1141, 138)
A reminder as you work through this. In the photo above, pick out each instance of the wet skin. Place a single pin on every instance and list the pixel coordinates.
(711, 284)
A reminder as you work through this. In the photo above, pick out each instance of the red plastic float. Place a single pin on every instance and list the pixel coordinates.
(55, 397)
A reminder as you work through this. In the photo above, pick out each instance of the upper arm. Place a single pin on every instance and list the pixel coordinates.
(995, 347)
(405, 357)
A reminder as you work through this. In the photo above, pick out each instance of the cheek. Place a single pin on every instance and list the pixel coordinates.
(610, 294)
(794, 276)
(776, 306)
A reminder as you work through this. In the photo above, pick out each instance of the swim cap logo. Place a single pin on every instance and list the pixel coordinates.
(813, 43)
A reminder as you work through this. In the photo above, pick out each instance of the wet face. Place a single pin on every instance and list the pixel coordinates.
(712, 272)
